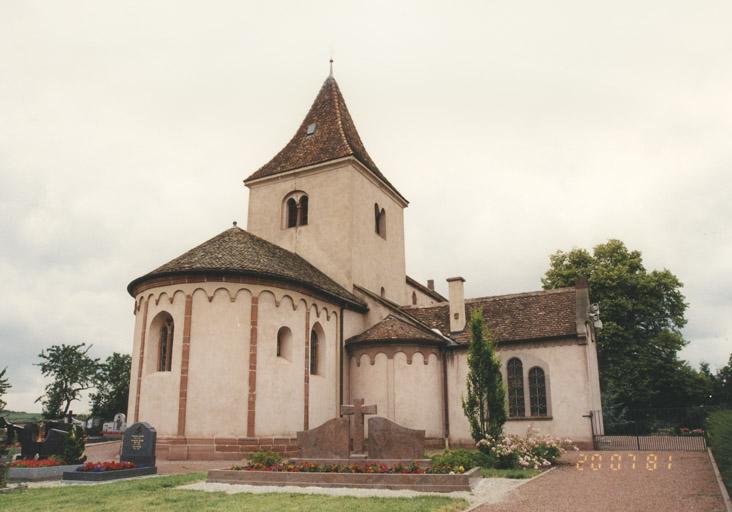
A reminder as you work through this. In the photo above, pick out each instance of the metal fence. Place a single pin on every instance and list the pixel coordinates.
(667, 429)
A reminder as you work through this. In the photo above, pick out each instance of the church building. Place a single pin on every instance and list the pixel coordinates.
(257, 334)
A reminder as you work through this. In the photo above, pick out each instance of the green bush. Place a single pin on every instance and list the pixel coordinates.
(74, 445)
(451, 460)
(719, 430)
(266, 459)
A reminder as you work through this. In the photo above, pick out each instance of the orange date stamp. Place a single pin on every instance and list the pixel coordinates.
(626, 461)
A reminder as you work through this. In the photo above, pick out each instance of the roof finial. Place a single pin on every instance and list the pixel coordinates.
(234, 223)
(331, 67)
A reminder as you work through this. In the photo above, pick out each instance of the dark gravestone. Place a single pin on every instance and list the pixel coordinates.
(53, 444)
(138, 445)
(331, 440)
(389, 440)
(27, 436)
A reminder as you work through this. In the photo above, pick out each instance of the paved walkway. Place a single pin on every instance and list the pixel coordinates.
(614, 481)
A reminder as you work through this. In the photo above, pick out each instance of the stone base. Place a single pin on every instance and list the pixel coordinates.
(38, 474)
(222, 448)
(102, 476)
(424, 483)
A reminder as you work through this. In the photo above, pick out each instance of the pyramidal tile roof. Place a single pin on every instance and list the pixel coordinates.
(238, 252)
(327, 133)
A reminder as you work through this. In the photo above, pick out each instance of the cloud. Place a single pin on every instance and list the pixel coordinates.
(514, 129)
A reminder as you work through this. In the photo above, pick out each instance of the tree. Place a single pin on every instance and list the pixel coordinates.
(642, 314)
(113, 386)
(485, 404)
(72, 371)
(4, 387)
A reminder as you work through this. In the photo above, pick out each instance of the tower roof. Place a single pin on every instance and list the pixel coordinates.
(327, 133)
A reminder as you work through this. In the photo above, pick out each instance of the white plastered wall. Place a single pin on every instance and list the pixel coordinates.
(418, 393)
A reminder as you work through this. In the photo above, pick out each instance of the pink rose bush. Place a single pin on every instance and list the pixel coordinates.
(530, 451)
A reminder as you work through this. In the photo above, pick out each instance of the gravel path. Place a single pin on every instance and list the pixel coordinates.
(490, 490)
(688, 486)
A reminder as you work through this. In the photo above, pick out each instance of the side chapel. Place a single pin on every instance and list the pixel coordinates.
(256, 334)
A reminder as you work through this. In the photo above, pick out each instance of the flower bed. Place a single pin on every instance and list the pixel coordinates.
(100, 471)
(529, 451)
(417, 481)
(106, 466)
(36, 463)
(411, 468)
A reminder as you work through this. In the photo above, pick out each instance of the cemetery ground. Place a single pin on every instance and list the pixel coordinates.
(609, 481)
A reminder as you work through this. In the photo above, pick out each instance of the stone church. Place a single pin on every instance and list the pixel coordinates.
(256, 334)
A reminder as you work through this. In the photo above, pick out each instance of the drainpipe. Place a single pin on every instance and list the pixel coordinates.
(340, 380)
(446, 409)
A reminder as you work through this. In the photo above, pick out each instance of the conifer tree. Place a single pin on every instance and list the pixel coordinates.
(485, 403)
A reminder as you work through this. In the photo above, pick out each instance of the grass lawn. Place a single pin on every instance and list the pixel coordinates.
(160, 494)
(719, 429)
(508, 473)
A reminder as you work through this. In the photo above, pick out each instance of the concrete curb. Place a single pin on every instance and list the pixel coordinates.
(720, 482)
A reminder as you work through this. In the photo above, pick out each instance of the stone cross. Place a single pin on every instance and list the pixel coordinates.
(358, 410)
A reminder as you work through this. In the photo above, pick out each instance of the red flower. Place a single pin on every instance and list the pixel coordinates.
(106, 466)
(41, 463)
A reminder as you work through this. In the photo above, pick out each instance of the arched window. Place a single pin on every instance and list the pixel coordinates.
(314, 352)
(379, 221)
(284, 343)
(303, 207)
(383, 292)
(291, 213)
(414, 298)
(516, 405)
(537, 392)
(165, 347)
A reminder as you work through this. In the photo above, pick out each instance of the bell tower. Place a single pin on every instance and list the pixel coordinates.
(324, 198)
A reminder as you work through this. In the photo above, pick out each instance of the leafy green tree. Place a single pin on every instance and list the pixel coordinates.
(113, 386)
(723, 384)
(4, 387)
(72, 371)
(642, 314)
(485, 403)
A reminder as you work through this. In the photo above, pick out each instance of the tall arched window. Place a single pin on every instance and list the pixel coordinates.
(291, 213)
(383, 292)
(537, 392)
(414, 298)
(516, 405)
(165, 347)
(303, 207)
(314, 352)
(379, 221)
(284, 343)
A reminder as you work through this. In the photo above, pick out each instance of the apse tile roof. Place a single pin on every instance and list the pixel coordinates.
(519, 317)
(236, 251)
(334, 136)
(395, 329)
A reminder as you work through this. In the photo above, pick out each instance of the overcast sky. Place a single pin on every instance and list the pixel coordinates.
(514, 128)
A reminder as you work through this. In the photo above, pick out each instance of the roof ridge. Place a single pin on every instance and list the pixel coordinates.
(522, 294)
(336, 93)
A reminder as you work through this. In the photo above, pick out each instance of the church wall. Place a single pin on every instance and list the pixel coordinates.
(418, 393)
(422, 298)
(377, 262)
(159, 390)
(218, 365)
(280, 382)
(409, 393)
(326, 240)
(134, 369)
(374, 383)
(323, 386)
(567, 381)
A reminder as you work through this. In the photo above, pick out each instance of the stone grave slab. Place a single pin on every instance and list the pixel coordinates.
(331, 440)
(389, 440)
